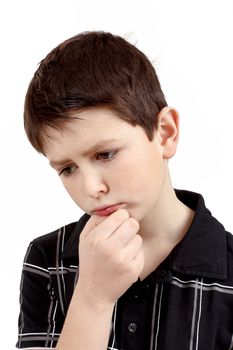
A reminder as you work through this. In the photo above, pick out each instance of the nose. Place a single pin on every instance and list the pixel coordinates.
(93, 183)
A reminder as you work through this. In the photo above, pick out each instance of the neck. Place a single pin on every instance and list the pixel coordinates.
(163, 229)
(169, 222)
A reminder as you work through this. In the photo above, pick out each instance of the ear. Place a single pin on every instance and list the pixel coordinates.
(168, 131)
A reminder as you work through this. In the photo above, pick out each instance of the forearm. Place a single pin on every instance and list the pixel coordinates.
(87, 325)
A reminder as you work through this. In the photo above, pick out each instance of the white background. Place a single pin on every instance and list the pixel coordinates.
(190, 44)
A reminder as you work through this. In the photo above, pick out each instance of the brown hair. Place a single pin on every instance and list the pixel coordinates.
(92, 69)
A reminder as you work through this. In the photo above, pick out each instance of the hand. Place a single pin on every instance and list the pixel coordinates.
(110, 256)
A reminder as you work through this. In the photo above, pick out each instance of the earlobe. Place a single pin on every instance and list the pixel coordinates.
(168, 131)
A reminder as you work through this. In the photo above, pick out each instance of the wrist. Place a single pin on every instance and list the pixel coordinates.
(92, 300)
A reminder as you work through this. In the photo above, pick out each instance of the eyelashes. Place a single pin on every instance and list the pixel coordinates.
(105, 156)
(67, 171)
(112, 153)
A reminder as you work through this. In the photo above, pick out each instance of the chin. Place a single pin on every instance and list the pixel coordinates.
(136, 214)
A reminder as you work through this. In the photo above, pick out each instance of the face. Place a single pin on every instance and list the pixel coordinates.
(102, 160)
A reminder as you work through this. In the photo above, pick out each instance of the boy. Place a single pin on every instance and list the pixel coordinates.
(147, 266)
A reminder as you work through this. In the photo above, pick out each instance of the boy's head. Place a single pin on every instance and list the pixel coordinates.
(92, 69)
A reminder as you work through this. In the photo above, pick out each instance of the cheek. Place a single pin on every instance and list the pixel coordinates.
(71, 188)
(128, 176)
(141, 174)
(122, 174)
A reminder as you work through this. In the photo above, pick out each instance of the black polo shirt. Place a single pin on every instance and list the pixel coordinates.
(185, 304)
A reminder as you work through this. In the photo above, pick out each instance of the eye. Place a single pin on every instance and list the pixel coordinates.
(67, 171)
(106, 155)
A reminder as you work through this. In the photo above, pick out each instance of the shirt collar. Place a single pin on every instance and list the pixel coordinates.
(201, 253)
(203, 250)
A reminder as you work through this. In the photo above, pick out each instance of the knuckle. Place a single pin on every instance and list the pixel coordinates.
(120, 215)
(132, 224)
(108, 254)
(119, 259)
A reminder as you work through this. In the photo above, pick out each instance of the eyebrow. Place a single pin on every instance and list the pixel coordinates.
(92, 149)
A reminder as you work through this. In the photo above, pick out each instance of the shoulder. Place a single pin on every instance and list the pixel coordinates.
(229, 258)
(49, 240)
(51, 246)
(229, 242)
(41, 251)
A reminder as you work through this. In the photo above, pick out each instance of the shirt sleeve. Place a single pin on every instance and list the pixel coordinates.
(38, 323)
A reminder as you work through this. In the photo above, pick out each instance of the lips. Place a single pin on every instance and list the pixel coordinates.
(107, 210)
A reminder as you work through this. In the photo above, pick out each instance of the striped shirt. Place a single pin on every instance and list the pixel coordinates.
(185, 304)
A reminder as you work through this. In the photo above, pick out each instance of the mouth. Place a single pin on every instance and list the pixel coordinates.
(107, 210)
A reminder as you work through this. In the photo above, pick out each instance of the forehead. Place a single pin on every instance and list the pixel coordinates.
(88, 124)
(85, 129)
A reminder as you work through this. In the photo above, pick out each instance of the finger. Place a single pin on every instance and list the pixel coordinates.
(94, 221)
(125, 232)
(105, 226)
(133, 247)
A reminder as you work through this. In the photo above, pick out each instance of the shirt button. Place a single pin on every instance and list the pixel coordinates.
(132, 327)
